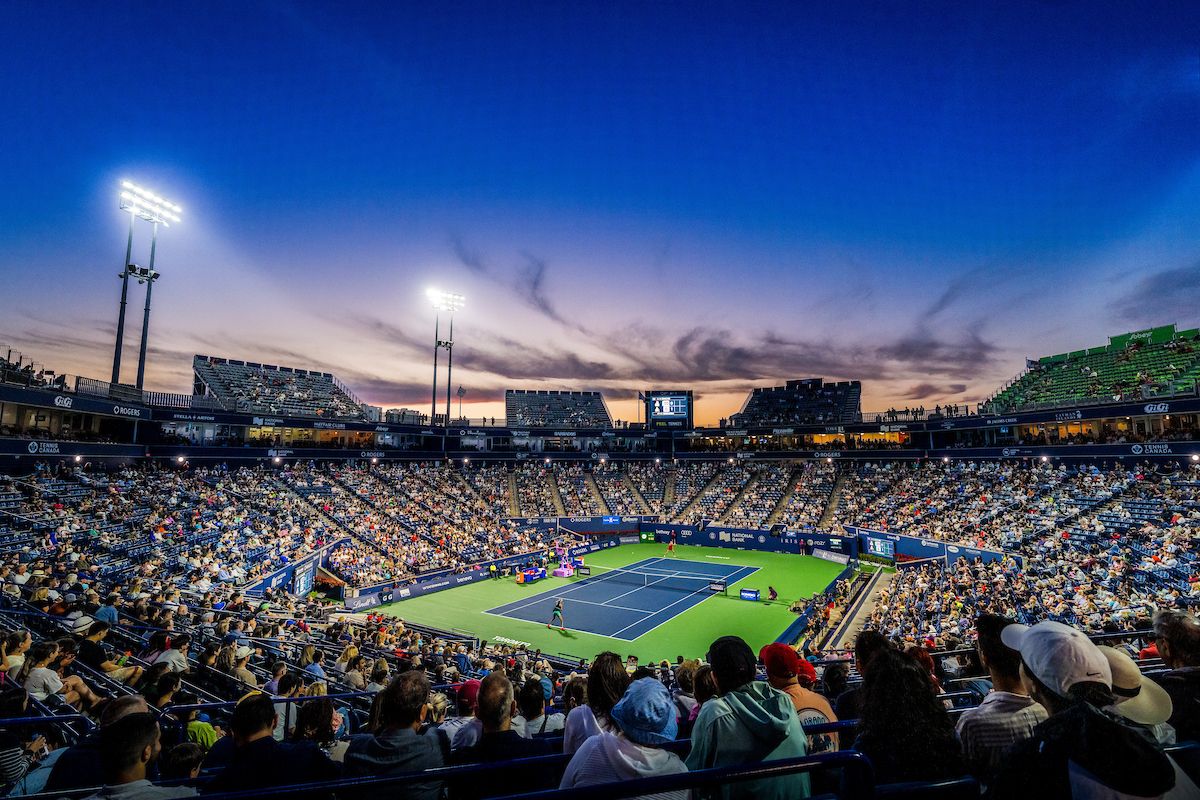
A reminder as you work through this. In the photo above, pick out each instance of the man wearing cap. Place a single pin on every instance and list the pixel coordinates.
(466, 696)
(645, 720)
(749, 722)
(792, 675)
(241, 669)
(1080, 751)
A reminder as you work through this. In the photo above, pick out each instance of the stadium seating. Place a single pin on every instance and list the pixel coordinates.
(265, 389)
(1153, 363)
(555, 409)
(802, 402)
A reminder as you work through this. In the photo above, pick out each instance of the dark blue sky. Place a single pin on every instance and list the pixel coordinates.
(726, 195)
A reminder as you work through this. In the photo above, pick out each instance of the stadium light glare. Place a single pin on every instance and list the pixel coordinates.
(828, 460)
(945, 459)
(658, 461)
(466, 460)
(277, 459)
(1045, 458)
(80, 458)
(1195, 457)
(445, 301)
(178, 459)
(547, 461)
(374, 460)
(604, 461)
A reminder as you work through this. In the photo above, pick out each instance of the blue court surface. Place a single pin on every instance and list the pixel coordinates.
(622, 603)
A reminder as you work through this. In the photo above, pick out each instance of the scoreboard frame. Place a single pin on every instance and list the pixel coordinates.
(660, 422)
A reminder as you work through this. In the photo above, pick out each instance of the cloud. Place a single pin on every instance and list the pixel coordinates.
(1171, 294)
(530, 286)
(471, 259)
(921, 391)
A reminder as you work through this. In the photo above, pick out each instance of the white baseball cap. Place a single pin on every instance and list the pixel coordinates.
(1058, 655)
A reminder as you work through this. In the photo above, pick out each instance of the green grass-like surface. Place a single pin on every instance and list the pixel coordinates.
(687, 634)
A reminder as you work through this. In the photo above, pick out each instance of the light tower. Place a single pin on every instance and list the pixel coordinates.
(448, 303)
(143, 204)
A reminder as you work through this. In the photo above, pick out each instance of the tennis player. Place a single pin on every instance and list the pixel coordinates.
(557, 616)
(671, 544)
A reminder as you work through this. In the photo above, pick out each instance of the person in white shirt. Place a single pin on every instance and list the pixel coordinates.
(176, 656)
(534, 719)
(645, 721)
(41, 681)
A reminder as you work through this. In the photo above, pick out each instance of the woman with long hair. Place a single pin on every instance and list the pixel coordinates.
(904, 729)
(607, 681)
(41, 681)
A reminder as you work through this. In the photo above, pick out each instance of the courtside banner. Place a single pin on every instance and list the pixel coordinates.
(910, 548)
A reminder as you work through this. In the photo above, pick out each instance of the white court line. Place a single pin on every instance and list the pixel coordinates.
(729, 580)
(590, 580)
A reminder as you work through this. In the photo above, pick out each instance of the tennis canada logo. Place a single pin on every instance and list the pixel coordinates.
(1136, 449)
(712, 535)
(762, 539)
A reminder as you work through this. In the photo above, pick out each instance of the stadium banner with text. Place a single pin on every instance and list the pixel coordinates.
(62, 401)
(799, 542)
(899, 547)
(42, 448)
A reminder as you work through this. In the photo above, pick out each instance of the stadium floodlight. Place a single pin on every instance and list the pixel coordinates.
(178, 459)
(1195, 457)
(1045, 459)
(945, 459)
(466, 460)
(374, 460)
(547, 461)
(141, 203)
(658, 461)
(80, 458)
(443, 303)
(277, 459)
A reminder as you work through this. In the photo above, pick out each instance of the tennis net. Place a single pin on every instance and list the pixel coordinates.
(677, 581)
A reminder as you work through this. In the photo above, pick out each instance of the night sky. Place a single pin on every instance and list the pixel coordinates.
(630, 195)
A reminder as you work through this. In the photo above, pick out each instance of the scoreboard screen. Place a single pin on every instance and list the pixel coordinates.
(881, 547)
(669, 409)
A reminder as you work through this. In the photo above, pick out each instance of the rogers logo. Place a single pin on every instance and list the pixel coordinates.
(64, 402)
(123, 411)
(1157, 408)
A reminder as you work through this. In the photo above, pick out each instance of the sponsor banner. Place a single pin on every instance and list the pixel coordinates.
(42, 448)
(829, 555)
(736, 538)
(910, 548)
(44, 398)
(285, 577)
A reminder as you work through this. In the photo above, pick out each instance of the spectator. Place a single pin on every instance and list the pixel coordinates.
(706, 688)
(241, 666)
(17, 755)
(606, 684)
(535, 719)
(128, 747)
(867, 645)
(498, 741)
(468, 694)
(176, 656)
(792, 675)
(285, 713)
(278, 670)
(747, 723)
(164, 690)
(315, 666)
(1079, 751)
(904, 728)
(199, 731)
(684, 695)
(1007, 714)
(834, 679)
(41, 681)
(182, 762)
(257, 760)
(646, 721)
(95, 655)
(395, 747)
(1178, 637)
(81, 765)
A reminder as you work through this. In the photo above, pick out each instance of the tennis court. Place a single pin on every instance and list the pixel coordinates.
(629, 602)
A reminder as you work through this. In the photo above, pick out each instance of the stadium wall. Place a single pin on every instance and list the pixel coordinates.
(800, 543)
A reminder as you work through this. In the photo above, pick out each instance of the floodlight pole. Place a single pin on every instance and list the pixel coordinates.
(449, 365)
(116, 370)
(437, 343)
(150, 278)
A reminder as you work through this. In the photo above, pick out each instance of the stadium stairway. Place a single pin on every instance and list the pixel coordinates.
(782, 505)
(668, 491)
(636, 493)
(590, 481)
(555, 495)
(747, 486)
(514, 508)
(835, 497)
(848, 629)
